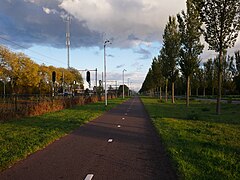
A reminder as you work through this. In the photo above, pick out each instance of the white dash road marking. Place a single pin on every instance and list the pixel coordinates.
(110, 140)
(89, 177)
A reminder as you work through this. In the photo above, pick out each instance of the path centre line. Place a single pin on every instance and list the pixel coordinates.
(89, 177)
(110, 140)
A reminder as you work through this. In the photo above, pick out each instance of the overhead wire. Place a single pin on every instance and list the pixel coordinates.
(35, 52)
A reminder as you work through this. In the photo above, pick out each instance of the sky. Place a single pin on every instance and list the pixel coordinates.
(134, 27)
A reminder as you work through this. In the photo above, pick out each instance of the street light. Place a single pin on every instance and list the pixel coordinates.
(128, 87)
(123, 82)
(130, 93)
(105, 69)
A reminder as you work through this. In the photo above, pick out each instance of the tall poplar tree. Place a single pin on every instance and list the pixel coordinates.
(157, 75)
(209, 74)
(161, 79)
(170, 51)
(148, 83)
(190, 32)
(165, 71)
(237, 59)
(237, 77)
(222, 25)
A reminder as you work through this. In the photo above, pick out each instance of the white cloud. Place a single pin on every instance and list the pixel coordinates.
(207, 54)
(113, 78)
(46, 10)
(145, 19)
(31, 1)
(135, 78)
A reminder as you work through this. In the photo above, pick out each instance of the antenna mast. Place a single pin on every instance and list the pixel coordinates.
(68, 39)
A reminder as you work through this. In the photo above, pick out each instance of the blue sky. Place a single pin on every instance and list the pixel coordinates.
(135, 28)
(136, 63)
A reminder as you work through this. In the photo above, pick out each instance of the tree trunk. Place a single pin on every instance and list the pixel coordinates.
(197, 91)
(173, 98)
(166, 91)
(160, 93)
(188, 91)
(204, 91)
(218, 110)
(212, 91)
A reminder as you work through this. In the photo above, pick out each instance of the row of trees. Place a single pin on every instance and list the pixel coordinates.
(182, 48)
(19, 74)
(203, 80)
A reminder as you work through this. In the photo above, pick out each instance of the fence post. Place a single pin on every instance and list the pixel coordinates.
(15, 102)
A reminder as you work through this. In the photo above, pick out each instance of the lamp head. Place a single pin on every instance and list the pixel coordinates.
(107, 42)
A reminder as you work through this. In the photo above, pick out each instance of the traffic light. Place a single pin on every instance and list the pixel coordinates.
(53, 76)
(88, 77)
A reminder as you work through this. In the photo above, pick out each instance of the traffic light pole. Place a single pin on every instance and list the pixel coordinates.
(85, 70)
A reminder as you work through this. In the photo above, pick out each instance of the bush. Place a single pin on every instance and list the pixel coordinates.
(193, 116)
(23, 109)
(229, 101)
(205, 109)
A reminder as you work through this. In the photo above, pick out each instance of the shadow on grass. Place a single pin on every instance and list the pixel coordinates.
(196, 111)
(21, 137)
(65, 120)
(202, 144)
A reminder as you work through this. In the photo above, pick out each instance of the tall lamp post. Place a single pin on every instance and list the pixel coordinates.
(106, 42)
(130, 93)
(123, 82)
(128, 87)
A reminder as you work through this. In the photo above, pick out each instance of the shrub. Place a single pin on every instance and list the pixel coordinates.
(47, 105)
(193, 116)
(205, 109)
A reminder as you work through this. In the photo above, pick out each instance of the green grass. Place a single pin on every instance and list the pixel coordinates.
(19, 138)
(202, 145)
(226, 97)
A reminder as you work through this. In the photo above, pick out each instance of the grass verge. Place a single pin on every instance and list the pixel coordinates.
(19, 138)
(201, 144)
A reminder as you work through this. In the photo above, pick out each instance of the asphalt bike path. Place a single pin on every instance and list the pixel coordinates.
(120, 144)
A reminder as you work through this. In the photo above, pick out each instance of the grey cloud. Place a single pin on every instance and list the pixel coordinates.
(28, 24)
(127, 5)
(129, 22)
(145, 53)
(120, 66)
(138, 66)
(110, 55)
(133, 37)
